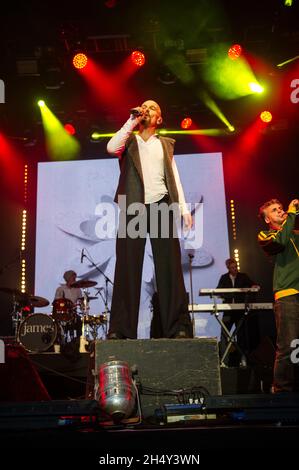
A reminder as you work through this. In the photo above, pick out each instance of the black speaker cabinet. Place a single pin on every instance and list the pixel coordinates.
(165, 365)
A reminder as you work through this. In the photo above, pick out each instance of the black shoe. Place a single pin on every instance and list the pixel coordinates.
(181, 335)
(114, 336)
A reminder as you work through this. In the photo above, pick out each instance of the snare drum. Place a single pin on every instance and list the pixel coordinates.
(63, 310)
(38, 332)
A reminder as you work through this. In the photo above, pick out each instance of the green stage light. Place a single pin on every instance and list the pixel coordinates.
(97, 135)
(256, 88)
(60, 144)
(208, 132)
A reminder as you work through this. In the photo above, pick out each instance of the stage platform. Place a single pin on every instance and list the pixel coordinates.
(72, 433)
(64, 415)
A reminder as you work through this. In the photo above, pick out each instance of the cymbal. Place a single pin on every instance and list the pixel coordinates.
(84, 283)
(88, 298)
(36, 301)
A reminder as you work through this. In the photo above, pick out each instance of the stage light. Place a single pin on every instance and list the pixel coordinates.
(96, 135)
(234, 52)
(41, 103)
(166, 77)
(186, 123)
(60, 144)
(116, 393)
(266, 116)
(286, 62)
(256, 88)
(288, 3)
(70, 128)
(23, 235)
(237, 257)
(233, 217)
(138, 58)
(25, 189)
(207, 132)
(80, 60)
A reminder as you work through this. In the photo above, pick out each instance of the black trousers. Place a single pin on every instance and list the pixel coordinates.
(286, 367)
(172, 295)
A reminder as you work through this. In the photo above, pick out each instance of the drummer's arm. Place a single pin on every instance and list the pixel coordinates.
(59, 293)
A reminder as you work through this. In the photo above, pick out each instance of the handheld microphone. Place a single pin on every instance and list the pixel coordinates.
(82, 255)
(135, 112)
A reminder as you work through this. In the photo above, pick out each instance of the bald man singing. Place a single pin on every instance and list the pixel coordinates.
(149, 182)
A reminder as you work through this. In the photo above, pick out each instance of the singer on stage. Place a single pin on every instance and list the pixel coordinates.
(149, 180)
(281, 241)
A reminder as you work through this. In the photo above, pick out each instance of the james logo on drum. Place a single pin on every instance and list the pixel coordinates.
(36, 329)
(38, 332)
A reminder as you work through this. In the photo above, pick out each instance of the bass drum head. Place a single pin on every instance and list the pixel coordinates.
(38, 332)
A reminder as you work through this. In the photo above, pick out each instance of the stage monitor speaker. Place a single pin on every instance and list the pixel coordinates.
(165, 365)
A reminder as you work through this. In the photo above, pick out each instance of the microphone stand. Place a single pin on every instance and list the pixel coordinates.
(98, 269)
(191, 291)
(106, 312)
(107, 280)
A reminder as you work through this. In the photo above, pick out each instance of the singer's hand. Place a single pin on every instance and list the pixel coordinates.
(294, 205)
(188, 221)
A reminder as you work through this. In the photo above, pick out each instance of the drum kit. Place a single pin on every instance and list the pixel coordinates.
(39, 332)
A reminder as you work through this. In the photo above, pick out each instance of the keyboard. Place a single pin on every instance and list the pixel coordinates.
(231, 307)
(229, 290)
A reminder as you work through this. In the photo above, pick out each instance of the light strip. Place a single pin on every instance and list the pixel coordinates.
(233, 218)
(237, 257)
(24, 231)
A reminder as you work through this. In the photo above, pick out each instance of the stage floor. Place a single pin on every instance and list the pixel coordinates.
(65, 417)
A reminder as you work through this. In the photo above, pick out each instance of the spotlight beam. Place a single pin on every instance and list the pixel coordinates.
(286, 62)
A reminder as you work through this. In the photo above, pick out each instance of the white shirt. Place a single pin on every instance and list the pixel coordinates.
(152, 164)
(232, 278)
(71, 293)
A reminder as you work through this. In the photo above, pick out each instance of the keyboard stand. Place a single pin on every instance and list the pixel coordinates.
(231, 336)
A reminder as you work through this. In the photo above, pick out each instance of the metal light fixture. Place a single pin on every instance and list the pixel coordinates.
(116, 392)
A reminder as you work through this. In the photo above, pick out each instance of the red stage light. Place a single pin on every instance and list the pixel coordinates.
(266, 116)
(234, 51)
(80, 61)
(70, 129)
(186, 123)
(138, 58)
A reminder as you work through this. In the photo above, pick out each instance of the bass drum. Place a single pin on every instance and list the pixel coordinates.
(38, 332)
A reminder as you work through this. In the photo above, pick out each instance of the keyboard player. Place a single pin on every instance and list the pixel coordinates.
(236, 279)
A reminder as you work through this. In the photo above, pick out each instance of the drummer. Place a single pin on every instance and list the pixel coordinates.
(66, 291)
(73, 328)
